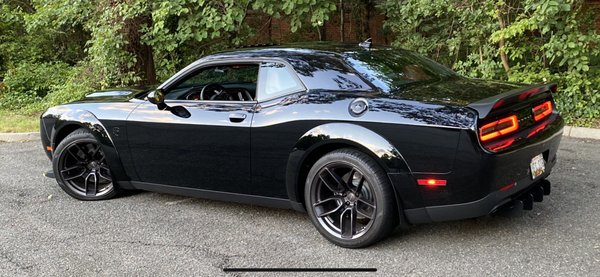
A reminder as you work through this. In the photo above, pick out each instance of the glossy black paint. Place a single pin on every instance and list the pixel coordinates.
(260, 151)
(207, 151)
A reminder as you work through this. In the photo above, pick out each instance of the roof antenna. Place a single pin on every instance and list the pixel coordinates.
(366, 44)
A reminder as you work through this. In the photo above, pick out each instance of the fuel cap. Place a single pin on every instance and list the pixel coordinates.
(358, 107)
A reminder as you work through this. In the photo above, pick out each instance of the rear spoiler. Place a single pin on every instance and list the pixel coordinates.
(485, 106)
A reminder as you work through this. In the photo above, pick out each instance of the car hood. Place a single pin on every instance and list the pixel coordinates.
(457, 91)
(112, 95)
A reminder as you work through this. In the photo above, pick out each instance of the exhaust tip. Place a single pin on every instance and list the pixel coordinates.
(538, 193)
(527, 201)
(546, 186)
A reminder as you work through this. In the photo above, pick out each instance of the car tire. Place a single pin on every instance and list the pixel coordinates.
(350, 200)
(80, 167)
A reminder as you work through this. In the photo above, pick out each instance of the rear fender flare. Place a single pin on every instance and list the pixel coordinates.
(371, 143)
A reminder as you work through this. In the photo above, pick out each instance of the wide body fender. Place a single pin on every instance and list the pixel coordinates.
(76, 118)
(339, 134)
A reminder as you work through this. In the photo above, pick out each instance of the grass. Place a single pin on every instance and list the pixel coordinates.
(17, 122)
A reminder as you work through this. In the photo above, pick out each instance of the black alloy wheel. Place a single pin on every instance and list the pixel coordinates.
(80, 167)
(349, 199)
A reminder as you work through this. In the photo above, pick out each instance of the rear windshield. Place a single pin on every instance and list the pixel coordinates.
(390, 70)
(327, 71)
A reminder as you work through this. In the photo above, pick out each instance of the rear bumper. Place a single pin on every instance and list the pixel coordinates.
(477, 184)
(477, 208)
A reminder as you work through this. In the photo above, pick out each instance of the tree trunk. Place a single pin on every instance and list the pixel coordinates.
(144, 54)
(367, 20)
(342, 20)
(501, 44)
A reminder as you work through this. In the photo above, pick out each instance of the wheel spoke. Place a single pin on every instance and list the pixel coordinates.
(321, 212)
(328, 184)
(363, 214)
(75, 176)
(348, 222)
(104, 177)
(71, 168)
(91, 189)
(366, 203)
(76, 154)
(94, 152)
(341, 186)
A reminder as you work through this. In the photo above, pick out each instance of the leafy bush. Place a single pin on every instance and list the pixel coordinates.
(525, 41)
(29, 83)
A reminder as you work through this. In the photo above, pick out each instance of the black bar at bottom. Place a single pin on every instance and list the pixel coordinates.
(272, 269)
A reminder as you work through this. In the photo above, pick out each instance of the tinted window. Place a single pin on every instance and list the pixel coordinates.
(276, 79)
(389, 70)
(234, 78)
(322, 71)
(227, 74)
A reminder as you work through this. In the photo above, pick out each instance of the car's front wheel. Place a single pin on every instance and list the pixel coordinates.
(349, 199)
(80, 167)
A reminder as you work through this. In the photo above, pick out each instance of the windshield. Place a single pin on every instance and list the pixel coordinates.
(390, 70)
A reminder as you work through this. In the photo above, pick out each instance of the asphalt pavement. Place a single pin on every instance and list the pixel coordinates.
(45, 232)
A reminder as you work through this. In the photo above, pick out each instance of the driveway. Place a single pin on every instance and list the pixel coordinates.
(45, 232)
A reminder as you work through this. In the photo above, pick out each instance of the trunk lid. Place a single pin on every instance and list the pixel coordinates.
(508, 114)
(456, 91)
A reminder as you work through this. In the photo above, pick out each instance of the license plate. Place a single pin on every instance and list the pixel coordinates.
(538, 166)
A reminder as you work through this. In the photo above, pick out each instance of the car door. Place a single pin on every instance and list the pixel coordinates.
(208, 150)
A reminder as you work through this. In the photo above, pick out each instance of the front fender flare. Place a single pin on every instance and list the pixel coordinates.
(86, 119)
(386, 155)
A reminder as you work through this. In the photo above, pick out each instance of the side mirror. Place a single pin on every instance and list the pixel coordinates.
(180, 111)
(157, 97)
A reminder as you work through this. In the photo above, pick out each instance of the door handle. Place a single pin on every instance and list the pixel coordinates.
(237, 117)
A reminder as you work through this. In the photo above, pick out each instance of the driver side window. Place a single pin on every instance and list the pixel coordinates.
(231, 82)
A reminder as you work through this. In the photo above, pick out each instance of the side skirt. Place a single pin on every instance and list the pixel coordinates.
(218, 195)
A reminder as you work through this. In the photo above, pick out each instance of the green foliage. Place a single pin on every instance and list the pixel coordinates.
(54, 51)
(298, 10)
(29, 83)
(543, 40)
(111, 43)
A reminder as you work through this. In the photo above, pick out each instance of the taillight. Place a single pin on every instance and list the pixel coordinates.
(541, 111)
(498, 128)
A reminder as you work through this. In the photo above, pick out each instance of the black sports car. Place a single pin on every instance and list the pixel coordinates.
(362, 138)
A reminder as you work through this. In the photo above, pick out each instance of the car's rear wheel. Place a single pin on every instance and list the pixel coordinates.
(349, 199)
(81, 169)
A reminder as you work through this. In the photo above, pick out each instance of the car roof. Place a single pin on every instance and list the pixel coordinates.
(290, 50)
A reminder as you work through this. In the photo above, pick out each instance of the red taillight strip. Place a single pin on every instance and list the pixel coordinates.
(541, 111)
(529, 93)
(431, 182)
(538, 129)
(509, 186)
(502, 145)
(498, 128)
